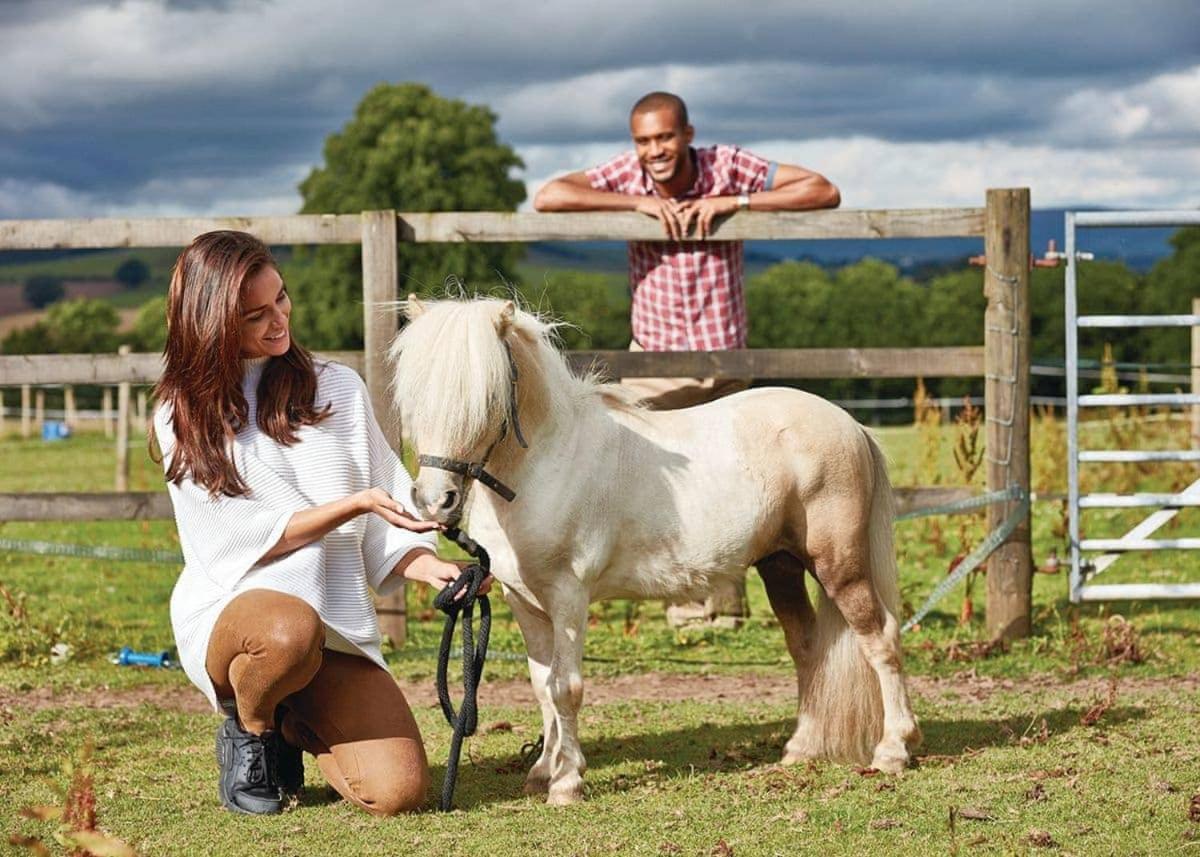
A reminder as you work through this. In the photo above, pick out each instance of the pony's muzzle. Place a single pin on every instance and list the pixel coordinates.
(440, 502)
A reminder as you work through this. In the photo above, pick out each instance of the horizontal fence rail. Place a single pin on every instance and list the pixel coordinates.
(764, 363)
(490, 226)
(144, 368)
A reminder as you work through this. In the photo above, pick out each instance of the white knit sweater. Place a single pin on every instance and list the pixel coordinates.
(223, 538)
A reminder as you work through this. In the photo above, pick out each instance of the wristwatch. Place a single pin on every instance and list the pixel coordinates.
(743, 201)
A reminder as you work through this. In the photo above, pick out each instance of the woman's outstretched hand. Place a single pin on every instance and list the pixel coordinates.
(428, 568)
(379, 502)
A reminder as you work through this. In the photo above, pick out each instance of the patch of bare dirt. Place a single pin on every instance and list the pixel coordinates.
(648, 687)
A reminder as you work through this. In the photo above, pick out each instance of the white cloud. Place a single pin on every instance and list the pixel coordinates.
(35, 199)
(1166, 107)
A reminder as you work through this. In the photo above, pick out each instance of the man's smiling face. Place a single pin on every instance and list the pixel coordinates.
(661, 141)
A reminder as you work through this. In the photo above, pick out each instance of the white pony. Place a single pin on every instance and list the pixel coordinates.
(615, 501)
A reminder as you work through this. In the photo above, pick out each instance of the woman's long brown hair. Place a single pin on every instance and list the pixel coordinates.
(202, 371)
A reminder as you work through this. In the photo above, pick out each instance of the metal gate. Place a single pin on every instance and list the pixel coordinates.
(1084, 570)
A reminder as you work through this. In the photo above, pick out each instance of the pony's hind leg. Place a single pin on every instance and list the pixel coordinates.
(539, 643)
(783, 576)
(878, 635)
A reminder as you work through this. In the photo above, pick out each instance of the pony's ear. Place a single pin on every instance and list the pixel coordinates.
(504, 320)
(413, 307)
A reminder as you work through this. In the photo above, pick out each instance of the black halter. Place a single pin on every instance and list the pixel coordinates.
(475, 469)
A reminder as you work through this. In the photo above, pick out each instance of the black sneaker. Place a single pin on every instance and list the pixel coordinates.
(289, 764)
(249, 779)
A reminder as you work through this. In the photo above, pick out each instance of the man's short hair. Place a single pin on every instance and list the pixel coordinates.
(658, 101)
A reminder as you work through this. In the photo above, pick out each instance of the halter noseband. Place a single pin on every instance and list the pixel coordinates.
(475, 469)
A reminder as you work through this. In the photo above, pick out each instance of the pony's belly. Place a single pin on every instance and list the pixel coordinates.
(650, 580)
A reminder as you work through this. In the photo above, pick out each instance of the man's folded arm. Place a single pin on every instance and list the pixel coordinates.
(574, 192)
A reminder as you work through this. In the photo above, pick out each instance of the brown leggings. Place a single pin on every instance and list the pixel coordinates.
(266, 652)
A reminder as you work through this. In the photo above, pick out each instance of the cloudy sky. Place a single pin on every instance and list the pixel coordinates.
(221, 106)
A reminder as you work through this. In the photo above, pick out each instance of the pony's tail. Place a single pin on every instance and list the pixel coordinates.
(842, 703)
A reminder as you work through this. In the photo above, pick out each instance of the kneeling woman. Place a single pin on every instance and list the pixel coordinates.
(290, 507)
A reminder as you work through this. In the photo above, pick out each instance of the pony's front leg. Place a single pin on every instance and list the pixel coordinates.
(539, 643)
(569, 615)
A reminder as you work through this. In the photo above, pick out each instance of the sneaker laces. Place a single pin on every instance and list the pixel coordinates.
(262, 766)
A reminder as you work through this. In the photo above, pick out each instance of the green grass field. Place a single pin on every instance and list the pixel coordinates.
(1080, 739)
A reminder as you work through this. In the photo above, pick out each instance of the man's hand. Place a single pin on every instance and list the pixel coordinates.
(703, 211)
(679, 216)
(669, 211)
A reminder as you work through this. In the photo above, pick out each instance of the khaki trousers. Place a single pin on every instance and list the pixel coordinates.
(266, 653)
(672, 394)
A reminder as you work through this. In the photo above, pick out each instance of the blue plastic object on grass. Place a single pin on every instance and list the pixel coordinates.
(128, 657)
(55, 430)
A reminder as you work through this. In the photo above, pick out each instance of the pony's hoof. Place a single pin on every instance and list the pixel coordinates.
(565, 793)
(890, 760)
(790, 758)
(798, 751)
(536, 785)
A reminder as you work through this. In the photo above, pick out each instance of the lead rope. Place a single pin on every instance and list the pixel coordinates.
(466, 719)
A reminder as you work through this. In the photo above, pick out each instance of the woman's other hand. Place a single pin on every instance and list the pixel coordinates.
(426, 567)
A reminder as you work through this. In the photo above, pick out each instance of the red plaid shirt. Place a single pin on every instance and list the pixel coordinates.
(687, 295)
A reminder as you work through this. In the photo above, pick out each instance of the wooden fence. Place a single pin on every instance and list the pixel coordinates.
(1003, 360)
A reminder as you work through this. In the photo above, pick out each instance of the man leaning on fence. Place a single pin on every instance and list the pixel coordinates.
(687, 294)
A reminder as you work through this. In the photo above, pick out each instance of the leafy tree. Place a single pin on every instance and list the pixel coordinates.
(41, 290)
(132, 273)
(79, 326)
(149, 331)
(596, 311)
(788, 305)
(83, 326)
(1169, 288)
(34, 339)
(409, 149)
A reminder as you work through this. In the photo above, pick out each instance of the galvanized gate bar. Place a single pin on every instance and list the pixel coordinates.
(1179, 217)
(1139, 544)
(1139, 320)
(1126, 399)
(1138, 591)
(1134, 501)
(1072, 333)
(1134, 455)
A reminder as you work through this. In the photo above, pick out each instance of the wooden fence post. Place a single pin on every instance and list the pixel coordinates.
(26, 424)
(106, 411)
(381, 286)
(1006, 404)
(123, 390)
(39, 408)
(1195, 375)
(70, 416)
(1, 411)
(141, 408)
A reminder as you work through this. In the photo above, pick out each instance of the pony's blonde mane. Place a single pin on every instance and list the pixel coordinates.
(450, 373)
